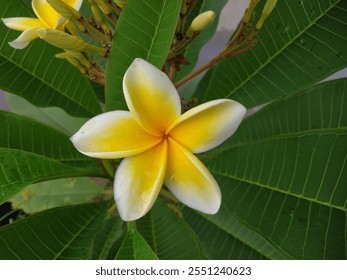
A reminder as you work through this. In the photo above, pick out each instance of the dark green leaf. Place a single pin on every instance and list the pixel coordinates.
(135, 247)
(62, 192)
(60, 233)
(145, 30)
(24, 134)
(109, 236)
(318, 107)
(280, 226)
(19, 169)
(169, 236)
(301, 43)
(217, 243)
(35, 74)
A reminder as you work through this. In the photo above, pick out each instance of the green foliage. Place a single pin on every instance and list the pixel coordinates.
(301, 43)
(34, 73)
(61, 233)
(135, 247)
(50, 194)
(282, 175)
(168, 235)
(145, 30)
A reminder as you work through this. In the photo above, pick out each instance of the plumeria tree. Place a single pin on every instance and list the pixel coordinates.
(114, 149)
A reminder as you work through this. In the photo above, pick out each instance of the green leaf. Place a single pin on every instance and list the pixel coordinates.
(19, 169)
(301, 43)
(294, 146)
(217, 243)
(62, 192)
(108, 240)
(135, 247)
(318, 107)
(283, 177)
(169, 236)
(60, 233)
(36, 75)
(52, 116)
(24, 134)
(280, 226)
(191, 53)
(144, 30)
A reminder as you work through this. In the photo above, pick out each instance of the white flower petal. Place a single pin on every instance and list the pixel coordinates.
(113, 134)
(22, 23)
(138, 181)
(151, 97)
(207, 125)
(190, 181)
(25, 38)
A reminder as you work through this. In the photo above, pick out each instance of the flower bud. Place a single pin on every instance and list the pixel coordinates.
(120, 3)
(200, 23)
(66, 41)
(183, 8)
(62, 40)
(269, 6)
(104, 6)
(249, 11)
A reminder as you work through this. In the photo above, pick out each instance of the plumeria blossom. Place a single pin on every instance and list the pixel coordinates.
(158, 143)
(47, 18)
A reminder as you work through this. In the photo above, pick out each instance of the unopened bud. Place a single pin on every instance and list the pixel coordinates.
(200, 23)
(183, 8)
(104, 6)
(62, 40)
(97, 13)
(66, 41)
(81, 58)
(64, 9)
(73, 61)
(120, 3)
(250, 9)
(203, 20)
(269, 6)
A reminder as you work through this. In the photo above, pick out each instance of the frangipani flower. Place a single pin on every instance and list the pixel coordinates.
(47, 18)
(158, 143)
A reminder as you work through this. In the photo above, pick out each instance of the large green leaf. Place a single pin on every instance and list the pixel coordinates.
(169, 236)
(19, 169)
(109, 239)
(52, 116)
(135, 247)
(309, 165)
(20, 133)
(280, 226)
(191, 53)
(50, 194)
(60, 233)
(301, 43)
(35, 74)
(318, 107)
(217, 243)
(145, 30)
(283, 177)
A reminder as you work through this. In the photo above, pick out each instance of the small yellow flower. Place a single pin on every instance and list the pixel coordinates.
(158, 143)
(47, 18)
